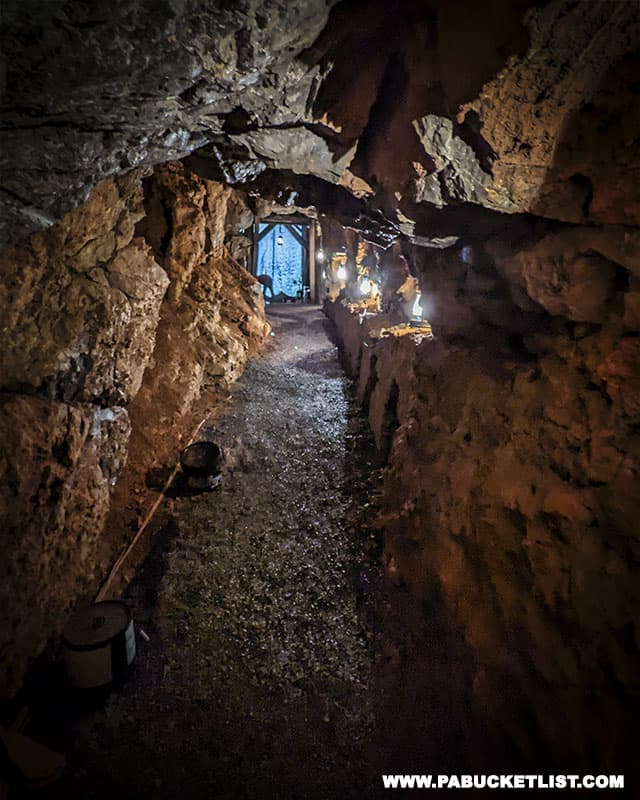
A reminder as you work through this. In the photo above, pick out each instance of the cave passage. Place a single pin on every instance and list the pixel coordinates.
(257, 681)
(447, 583)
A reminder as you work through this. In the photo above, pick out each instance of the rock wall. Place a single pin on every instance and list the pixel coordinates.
(211, 323)
(430, 114)
(89, 92)
(103, 323)
(509, 504)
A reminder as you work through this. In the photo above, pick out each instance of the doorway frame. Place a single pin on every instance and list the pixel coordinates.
(309, 246)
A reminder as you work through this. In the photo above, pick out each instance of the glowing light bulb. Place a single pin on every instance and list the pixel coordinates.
(365, 285)
(320, 255)
(341, 274)
(417, 308)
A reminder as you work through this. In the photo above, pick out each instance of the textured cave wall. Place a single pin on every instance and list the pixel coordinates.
(460, 107)
(211, 323)
(103, 323)
(92, 89)
(80, 307)
(511, 490)
(200, 324)
(510, 499)
(419, 116)
(442, 120)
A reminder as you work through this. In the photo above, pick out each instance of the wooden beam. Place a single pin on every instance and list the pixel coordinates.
(270, 227)
(313, 280)
(301, 239)
(254, 258)
(284, 219)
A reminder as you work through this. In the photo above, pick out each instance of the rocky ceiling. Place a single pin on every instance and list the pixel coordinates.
(432, 118)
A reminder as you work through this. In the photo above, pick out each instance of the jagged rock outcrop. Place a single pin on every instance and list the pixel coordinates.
(551, 124)
(512, 478)
(58, 464)
(517, 107)
(213, 319)
(114, 321)
(93, 264)
(93, 91)
(80, 309)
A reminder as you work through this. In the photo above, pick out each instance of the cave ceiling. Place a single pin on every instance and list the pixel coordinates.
(432, 119)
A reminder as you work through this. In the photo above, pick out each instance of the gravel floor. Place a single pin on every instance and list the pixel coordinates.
(258, 599)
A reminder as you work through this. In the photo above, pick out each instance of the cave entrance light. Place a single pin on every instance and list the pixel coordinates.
(283, 259)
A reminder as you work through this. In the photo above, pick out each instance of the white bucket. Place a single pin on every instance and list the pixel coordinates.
(99, 645)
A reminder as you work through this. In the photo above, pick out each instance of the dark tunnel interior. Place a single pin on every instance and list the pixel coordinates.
(320, 398)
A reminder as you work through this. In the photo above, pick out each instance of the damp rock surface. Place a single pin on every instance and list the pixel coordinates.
(440, 115)
(115, 320)
(258, 602)
(509, 505)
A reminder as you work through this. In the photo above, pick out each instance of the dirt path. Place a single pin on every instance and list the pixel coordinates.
(258, 600)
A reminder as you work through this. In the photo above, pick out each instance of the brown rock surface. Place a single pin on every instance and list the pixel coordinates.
(211, 323)
(569, 284)
(92, 352)
(513, 473)
(58, 465)
(540, 115)
(82, 302)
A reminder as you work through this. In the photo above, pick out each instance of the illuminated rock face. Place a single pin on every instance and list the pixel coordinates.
(60, 462)
(83, 302)
(513, 107)
(115, 320)
(513, 476)
(212, 320)
(496, 144)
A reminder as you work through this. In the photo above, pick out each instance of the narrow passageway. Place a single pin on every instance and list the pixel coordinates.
(257, 679)
(423, 556)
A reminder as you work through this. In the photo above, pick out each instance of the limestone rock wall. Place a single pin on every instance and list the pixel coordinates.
(510, 504)
(213, 319)
(80, 306)
(103, 322)
(431, 113)
(91, 91)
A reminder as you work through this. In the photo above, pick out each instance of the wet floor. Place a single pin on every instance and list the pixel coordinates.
(277, 661)
(260, 603)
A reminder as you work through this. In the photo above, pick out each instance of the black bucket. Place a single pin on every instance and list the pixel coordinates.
(201, 464)
(202, 459)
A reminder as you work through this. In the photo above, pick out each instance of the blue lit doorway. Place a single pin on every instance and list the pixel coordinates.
(282, 260)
